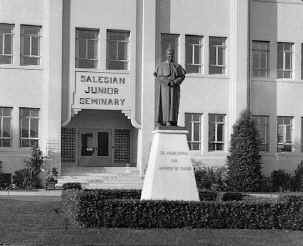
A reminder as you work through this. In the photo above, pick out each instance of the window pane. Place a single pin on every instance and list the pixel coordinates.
(122, 51)
(117, 50)
(8, 44)
(196, 132)
(82, 48)
(24, 128)
(288, 61)
(195, 146)
(92, 49)
(211, 131)
(34, 128)
(30, 61)
(26, 46)
(35, 46)
(86, 48)
(5, 143)
(220, 56)
(6, 127)
(188, 125)
(197, 54)
(220, 132)
(34, 30)
(212, 56)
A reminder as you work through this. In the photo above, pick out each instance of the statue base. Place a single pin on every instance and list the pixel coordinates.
(169, 175)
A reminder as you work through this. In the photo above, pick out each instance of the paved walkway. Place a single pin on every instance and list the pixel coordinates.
(35, 195)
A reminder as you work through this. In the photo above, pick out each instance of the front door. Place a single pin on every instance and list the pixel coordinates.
(95, 147)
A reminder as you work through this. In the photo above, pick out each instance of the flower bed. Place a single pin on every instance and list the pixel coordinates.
(91, 208)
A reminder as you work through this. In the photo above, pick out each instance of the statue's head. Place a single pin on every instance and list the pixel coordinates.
(170, 54)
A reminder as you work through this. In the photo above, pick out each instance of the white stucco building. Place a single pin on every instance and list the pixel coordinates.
(76, 79)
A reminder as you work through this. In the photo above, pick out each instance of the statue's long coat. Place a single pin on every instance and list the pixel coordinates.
(168, 97)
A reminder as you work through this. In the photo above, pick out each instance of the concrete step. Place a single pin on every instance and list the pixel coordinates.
(98, 180)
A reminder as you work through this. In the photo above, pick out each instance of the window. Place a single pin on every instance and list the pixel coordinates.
(215, 132)
(193, 125)
(169, 41)
(284, 134)
(263, 130)
(5, 127)
(117, 50)
(260, 59)
(86, 48)
(6, 43)
(284, 63)
(193, 50)
(217, 55)
(29, 125)
(30, 45)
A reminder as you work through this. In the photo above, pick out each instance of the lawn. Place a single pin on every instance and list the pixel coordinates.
(39, 221)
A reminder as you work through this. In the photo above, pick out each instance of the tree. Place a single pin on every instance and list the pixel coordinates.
(244, 162)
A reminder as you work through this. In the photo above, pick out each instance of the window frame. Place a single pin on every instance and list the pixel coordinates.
(193, 46)
(217, 48)
(77, 47)
(260, 52)
(28, 118)
(117, 42)
(4, 34)
(284, 52)
(266, 138)
(285, 143)
(216, 141)
(190, 136)
(22, 45)
(2, 116)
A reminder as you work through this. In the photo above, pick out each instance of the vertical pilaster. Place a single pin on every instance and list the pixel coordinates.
(148, 83)
(53, 80)
(239, 57)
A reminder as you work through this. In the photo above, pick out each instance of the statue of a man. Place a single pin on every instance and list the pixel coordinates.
(169, 75)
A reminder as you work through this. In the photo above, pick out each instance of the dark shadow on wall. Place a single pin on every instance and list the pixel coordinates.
(264, 92)
(66, 23)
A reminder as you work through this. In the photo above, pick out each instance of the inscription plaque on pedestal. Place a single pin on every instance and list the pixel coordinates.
(169, 175)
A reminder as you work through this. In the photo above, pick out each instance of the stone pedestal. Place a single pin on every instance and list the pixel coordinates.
(169, 175)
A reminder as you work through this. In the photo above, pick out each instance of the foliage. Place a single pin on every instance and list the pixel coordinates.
(5, 180)
(210, 178)
(297, 179)
(52, 176)
(244, 161)
(68, 186)
(280, 181)
(27, 178)
(84, 208)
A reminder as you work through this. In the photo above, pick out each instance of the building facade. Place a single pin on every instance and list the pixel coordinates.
(76, 78)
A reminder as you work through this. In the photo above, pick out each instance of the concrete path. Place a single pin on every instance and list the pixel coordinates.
(36, 195)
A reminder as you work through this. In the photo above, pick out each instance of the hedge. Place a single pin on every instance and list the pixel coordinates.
(87, 209)
(204, 195)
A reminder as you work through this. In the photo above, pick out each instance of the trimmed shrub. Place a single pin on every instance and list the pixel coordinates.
(297, 183)
(244, 161)
(85, 209)
(280, 180)
(210, 178)
(5, 180)
(68, 186)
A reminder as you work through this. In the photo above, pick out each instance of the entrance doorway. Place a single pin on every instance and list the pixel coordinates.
(95, 147)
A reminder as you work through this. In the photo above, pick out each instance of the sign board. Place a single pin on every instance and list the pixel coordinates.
(102, 91)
